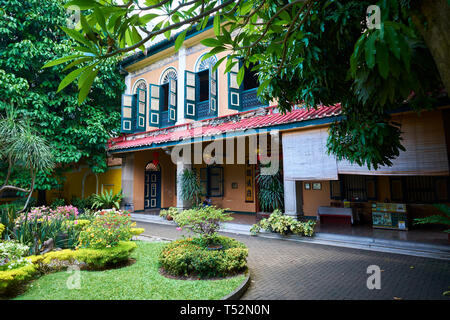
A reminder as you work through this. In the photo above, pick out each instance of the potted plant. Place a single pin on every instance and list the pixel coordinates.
(107, 200)
(270, 193)
(190, 187)
(169, 214)
(445, 219)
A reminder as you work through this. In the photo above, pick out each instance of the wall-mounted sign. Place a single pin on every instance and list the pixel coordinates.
(317, 186)
(249, 181)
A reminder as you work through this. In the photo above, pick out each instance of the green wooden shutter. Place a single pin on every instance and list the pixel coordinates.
(141, 110)
(128, 113)
(155, 105)
(234, 90)
(213, 103)
(190, 95)
(172, 101)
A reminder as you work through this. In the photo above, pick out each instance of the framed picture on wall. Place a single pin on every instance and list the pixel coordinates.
(317, 186)
(307, 185)
(249, 195)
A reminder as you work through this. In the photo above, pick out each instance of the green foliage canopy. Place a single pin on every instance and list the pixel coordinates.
(309, 52)
(29, 37)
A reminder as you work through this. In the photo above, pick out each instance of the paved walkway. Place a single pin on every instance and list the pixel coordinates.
(294, 270)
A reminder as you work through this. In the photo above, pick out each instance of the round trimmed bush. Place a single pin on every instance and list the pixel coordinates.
(190, 257)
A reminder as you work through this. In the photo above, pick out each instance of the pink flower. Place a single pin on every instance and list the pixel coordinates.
(179, 229)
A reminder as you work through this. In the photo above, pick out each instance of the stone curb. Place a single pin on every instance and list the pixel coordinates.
(239, 292)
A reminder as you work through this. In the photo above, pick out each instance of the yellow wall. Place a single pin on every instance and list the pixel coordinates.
(111, 179)
(233, 199)
(312, 199)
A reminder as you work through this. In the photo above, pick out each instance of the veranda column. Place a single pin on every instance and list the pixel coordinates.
(127, 182)
(180, 84)
(181, 204)
(290, 198)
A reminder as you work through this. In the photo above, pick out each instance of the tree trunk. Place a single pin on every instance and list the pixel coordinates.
(434, 25)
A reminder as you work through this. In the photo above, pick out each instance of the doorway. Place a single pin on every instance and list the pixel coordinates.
(152, 189)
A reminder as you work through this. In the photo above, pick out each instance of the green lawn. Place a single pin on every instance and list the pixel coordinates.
(138, 281)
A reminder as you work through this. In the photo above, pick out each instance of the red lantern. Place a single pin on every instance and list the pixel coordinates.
(155, 158)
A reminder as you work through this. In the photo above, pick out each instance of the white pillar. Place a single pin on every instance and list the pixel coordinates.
(127, 182)
(128, 84)
(290, 198)
(181, 204)
(180, 84)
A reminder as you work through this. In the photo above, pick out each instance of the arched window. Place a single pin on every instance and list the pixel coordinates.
(134, 108)
(201, 90)
(140, 84)
(168, 84)
(205, 64)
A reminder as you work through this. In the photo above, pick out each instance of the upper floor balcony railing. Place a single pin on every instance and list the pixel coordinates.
(249, 99)
(165, 119)
(203, 110)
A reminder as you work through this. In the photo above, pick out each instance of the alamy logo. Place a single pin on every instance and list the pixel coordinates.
(73, 16)
(374, 280)
(373, 17)
(74, 280)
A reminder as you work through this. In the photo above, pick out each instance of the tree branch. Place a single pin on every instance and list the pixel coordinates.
(268, 24)
(171, 27)
(33, 175)
(10, 187)
(288, 33)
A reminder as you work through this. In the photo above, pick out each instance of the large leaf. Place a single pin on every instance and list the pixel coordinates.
(370, 50)
(179, 40)
(61, 60)
(382, 58)
(86, 85)
(70, 78)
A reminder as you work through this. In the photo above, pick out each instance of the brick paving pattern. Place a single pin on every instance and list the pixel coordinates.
(292, 270)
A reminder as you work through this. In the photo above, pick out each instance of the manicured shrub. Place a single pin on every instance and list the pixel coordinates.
(203, 221)
(137, 231)
(190, 257)
(94, 259)
(106, 230)
(78, 224)
(9, 279)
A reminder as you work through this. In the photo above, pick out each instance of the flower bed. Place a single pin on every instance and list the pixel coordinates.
(92, 259)
(45, 240)
(138, 281)
(206, 255)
